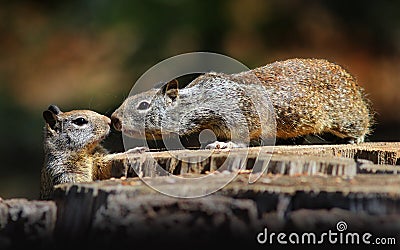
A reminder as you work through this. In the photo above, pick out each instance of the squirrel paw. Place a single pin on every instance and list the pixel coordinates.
(225, 145)
(137, 150)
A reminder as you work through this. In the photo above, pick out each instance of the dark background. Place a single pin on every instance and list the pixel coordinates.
(88, 54)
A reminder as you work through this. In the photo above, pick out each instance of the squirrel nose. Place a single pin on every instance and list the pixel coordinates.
(116, 122)
(108, 121)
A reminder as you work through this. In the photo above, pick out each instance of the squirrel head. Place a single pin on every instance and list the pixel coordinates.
(74, 130)
(183, 111)
(145, 110)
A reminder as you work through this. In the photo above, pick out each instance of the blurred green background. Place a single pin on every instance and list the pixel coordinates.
(88, 54)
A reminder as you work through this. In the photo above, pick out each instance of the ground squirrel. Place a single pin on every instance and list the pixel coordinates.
(309, 96)
(72, 148)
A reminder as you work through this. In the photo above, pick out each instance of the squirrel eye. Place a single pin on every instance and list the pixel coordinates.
(79, 121)
(143, 105)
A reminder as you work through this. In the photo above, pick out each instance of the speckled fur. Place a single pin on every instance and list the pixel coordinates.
(313, 96)
(73, 153)
(309, 96)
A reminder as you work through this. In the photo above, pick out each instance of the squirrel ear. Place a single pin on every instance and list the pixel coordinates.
(173, 84)
(54, 109)
(171, 89)
(50, 118)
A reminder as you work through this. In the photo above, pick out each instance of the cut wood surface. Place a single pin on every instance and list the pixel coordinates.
(326, 159)
(377, 152)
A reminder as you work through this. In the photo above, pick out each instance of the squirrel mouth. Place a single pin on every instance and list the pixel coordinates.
(104, 136)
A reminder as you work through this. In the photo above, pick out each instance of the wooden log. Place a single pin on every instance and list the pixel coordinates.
(303, 188)
(26, 223)
(117, 210)
(377, 152)
(311, 159)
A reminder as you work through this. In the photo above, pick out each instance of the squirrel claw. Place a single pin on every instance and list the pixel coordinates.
(224, 145)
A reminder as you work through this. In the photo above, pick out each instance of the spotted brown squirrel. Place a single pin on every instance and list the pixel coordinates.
(72, 149)
(309, 97)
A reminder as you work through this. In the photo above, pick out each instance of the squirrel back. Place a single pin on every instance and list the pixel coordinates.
(314, 96)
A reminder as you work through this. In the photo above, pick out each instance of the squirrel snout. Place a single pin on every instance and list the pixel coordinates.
(116, 122)
(108, 121)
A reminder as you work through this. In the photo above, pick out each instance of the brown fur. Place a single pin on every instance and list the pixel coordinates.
(73, 152)
(309, 97)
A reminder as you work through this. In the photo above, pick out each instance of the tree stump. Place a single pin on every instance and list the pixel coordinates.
(26, 223)
(303, 188)
(307, 189)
